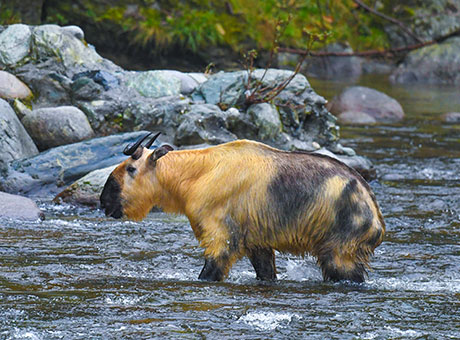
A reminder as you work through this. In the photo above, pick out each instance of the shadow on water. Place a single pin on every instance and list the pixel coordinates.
(78, 274)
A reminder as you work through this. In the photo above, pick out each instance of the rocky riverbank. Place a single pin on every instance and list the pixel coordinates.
(68, 111)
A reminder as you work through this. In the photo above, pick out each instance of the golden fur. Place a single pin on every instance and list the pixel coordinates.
(223, 190)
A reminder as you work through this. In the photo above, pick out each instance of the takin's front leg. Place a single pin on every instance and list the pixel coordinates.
(263, 261)
(222, 243)
(211, 271)
(217, 268)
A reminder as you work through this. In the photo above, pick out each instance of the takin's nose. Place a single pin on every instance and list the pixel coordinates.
(110, 198)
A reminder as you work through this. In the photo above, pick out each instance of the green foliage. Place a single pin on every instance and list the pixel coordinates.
(238, 24)
(8, 16)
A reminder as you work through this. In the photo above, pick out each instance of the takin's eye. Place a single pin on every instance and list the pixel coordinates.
(131, 170)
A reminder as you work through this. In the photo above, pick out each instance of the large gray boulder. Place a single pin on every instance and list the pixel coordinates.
(267, 120)
(376, 104)
(19, 208)
(50, 127)
(14, 44)
(204, 123)
(153, 84)
(434, 64)
(42, 175)
(15, 143)
(53, 41)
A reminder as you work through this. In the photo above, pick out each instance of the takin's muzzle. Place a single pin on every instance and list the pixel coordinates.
(110, 198)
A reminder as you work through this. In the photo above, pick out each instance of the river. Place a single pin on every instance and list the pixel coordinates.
(80, 275)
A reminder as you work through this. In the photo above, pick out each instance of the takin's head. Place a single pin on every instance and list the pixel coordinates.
(129, 190)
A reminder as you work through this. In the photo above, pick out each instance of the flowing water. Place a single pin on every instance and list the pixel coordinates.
(80, 275)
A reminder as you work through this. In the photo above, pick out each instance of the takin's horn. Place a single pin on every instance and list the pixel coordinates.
(131, 149)
(150, 142)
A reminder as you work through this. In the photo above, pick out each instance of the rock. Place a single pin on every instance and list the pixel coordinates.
(434, 64)
(86, 190)
(20, 109)
(153, 84)
(189, 81)
(334, 67)
(15, 143)
(374, 66)
(301, 110)
(54, 42)
(50, 127)
(363, 99)
(14, 44)
(356, 117)
(12, 88)
(75, 31)
(47, 81)
(106, 79)
(266, 118)
(19, 208)
(43, 174)
(224, 89)
(204, 123)
(359, 163)
(429, 20)
(451, 117)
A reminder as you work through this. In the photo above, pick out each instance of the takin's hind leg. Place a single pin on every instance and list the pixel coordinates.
(341, 267)
(263, 261)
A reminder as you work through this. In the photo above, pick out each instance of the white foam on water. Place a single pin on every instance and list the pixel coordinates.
(300, 269)
(450, 284)
(180, 275)
(391, 332)
(25, 334)
(267, 321)
(122, 300)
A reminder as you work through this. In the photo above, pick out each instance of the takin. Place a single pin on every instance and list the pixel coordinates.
(244, 198)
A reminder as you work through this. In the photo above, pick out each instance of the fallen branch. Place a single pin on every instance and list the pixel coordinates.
(369, 53)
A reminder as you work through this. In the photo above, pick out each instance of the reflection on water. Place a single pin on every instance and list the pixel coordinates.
(78, 274)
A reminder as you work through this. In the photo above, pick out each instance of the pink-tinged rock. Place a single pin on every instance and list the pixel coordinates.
(19, 207)
(378, 105)
(12, 88)
(356, 117)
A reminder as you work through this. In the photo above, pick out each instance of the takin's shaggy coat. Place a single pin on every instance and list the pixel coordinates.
(245, 198)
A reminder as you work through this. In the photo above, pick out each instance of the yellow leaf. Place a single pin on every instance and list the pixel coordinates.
(220, 29)
(328, 19)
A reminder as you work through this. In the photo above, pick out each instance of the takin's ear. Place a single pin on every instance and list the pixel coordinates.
(159, 152)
